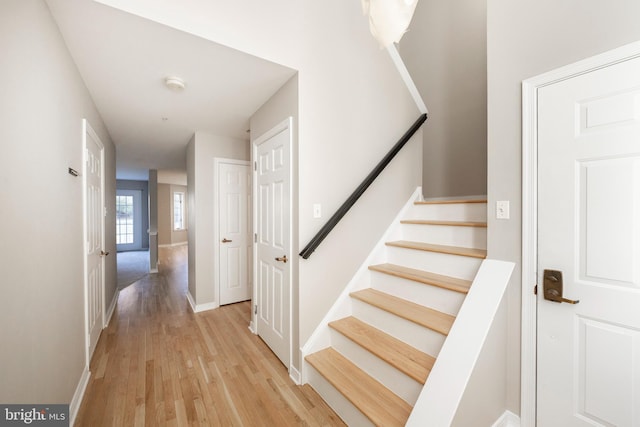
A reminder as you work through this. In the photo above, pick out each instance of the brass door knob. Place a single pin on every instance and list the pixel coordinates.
(283, 259)
(103, 253)
(225, 240)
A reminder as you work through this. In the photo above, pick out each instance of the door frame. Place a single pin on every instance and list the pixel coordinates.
(216, 222)
(286, 124)
(87, 129)
(137, 216)
(529, 303)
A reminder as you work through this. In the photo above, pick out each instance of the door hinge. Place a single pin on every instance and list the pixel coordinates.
(255, 309)
(255, 166)
(535, 290)
(255, 237)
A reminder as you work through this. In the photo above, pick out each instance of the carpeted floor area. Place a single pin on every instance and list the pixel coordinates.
(132, 266)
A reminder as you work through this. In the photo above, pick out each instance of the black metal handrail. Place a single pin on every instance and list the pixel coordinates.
(333, 221)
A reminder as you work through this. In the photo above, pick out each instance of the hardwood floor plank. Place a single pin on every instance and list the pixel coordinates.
(159, 364)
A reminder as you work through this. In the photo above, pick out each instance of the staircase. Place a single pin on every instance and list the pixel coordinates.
(386, 341)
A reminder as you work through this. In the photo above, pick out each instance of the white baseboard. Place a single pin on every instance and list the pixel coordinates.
(197, 308)
(295, 375)
(252, 328)
(74, 406)
(508, 419)
(112, 308)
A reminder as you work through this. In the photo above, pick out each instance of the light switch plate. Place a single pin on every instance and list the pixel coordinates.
(502, 209)
(317, 210)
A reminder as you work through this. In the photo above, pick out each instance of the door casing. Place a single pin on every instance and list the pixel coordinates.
(286, 124)
(87, 129)
(528, 376)
(136, 245)
(216, 221)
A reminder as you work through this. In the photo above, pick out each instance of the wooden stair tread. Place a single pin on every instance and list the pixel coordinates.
(407, 359)
(450, 223)
(416, 313)
(420, 276)
(373, 399)
(453, 250)
(450, 201)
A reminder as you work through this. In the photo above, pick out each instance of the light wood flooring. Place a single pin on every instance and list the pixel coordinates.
(158, 364)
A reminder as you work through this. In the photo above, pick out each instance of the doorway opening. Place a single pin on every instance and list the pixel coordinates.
(132, 238)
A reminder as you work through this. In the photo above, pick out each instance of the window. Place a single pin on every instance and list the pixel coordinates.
(178, 211)
(124, 219)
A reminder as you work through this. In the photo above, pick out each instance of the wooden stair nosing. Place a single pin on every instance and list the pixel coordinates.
(451, 250)
(449, 201)
(370, 397)
(416, 313)
(425, 277)
(446, 223)
(407, 359)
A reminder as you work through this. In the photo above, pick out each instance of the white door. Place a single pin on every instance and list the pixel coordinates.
(273, 248)
(235, 248)
(93, 236)
(589, 228)
(128, 220)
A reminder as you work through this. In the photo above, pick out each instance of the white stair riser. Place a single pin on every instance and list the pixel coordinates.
(336, 400)
(440, 299)
(451, 235)
(450, 212)
(424, 339)
(397, 381)
(449, 265)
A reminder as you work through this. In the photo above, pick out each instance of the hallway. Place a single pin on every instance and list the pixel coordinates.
(159, 364)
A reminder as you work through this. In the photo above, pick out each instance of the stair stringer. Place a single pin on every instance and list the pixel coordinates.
(438, 401)
(342, 307)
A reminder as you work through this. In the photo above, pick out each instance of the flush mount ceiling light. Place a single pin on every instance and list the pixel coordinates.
(174, 83)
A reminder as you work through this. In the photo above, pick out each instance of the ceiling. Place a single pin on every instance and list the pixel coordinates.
(124, 60)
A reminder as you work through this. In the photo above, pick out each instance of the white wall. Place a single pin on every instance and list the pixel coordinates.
(170, 176)
(445, 51)
(201, 247)
(526, 39)
(353, 106)
(166, 234)
(42, 105)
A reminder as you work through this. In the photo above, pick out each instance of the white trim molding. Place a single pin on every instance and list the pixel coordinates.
(112, 308)
(197, 308)
(78, 395)
(406, 77)
(440, 397)
(530, 206)
(285, 125)
(295, 375)
(217, 161)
